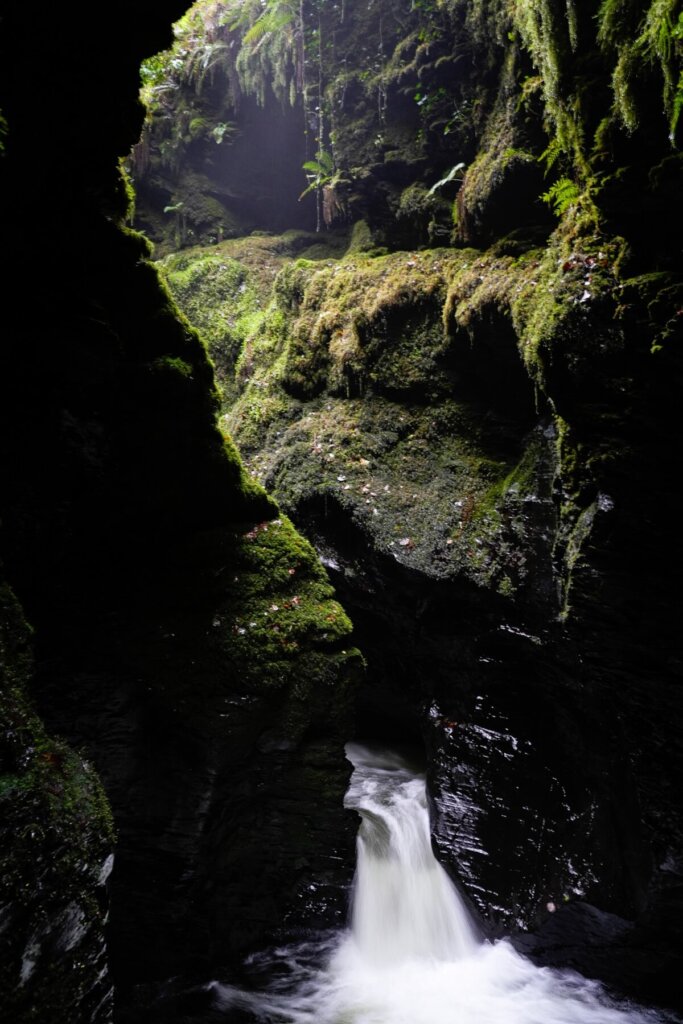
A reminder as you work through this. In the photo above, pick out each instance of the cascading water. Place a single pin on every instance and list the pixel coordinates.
(404, 904)
(412, 955)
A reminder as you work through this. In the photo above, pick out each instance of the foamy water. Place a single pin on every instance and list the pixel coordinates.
(412, 955)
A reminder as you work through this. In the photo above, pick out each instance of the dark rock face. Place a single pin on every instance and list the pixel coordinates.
(224, 769)
(186, 639)
(56, 854)
(553, 748)
(231, 831)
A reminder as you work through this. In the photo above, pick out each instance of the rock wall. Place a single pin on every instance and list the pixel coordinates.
(56, 839)
(186, 639)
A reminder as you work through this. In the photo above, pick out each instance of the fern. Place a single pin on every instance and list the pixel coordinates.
(271, 49)
(272, 20)
(204, 62)
(551, 154)
(561, 195)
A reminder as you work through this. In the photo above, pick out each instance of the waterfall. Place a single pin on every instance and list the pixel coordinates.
(404, 904)
(412, 955)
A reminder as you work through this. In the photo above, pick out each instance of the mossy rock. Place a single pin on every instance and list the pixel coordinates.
(56, 841)
(349, 398)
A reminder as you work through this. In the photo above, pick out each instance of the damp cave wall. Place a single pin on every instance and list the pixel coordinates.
(134, 547)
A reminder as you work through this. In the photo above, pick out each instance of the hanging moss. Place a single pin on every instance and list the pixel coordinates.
(638, 39)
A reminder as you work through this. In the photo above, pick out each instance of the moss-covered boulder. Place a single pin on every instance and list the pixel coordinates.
(393, 387)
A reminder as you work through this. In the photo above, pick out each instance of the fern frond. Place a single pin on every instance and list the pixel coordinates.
(561, 195)
(270, 21)
(551, 153)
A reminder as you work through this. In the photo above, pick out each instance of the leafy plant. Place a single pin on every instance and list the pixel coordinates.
(561, 195)
(319, 171)
(197, 127)
(276, 16)
(323, 179)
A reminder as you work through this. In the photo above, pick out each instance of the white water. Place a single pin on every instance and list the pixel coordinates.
(412, 955)
(404, 905)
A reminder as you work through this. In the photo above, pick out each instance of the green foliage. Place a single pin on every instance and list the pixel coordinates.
(275, 17)
(272, 49)
(204, 61)
(551, 154)
(198, 126)
(324, 180)
(549, 31)
(642, 40)
(153, 70)
(561, 195)
(319, 171)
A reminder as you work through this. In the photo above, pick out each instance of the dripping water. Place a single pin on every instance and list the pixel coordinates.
(412, 954)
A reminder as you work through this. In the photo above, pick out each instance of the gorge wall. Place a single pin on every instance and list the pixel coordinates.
(463, 394)
(186, 641)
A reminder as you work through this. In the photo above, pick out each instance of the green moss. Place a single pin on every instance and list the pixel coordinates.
(361, 238)
(640, 39)
(225, 290)
(174, 366)
(361, 322)
(553, 303)
(55, 833)
(423, 478)
(286, 631)
(216, 294)
(127, 194)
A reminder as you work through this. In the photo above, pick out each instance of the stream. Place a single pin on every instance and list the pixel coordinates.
(412, 954)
